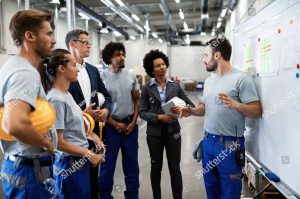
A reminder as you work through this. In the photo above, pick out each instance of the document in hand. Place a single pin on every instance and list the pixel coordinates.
(175, 101)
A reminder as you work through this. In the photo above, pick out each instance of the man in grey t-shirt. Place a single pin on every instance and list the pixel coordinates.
(121, 130)
(229, 97)
(27, 161)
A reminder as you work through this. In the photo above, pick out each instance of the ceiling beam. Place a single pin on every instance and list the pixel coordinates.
(93, 15)
(163, 6)
(128, 19)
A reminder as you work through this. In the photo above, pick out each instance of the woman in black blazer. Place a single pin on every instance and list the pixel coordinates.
(163, 131)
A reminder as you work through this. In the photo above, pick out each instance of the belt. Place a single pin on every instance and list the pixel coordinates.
(44, 161)
(222, 138)
(125, 120)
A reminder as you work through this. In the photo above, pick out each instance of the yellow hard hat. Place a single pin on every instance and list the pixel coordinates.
(42, 119)
(89, 123)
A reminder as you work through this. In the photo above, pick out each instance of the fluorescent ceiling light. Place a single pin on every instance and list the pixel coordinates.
(55, 1)
(181, 15)
(219, 24)
(223, 13)
(147, 28)
(120, 2)
(135, 17)
(160, 40)
(154, 35)
(132, 37)
(204, 16)
(63, 9)
(84, 16)
(117, 34)
(185, 26)
(177, 1)
(104, 30)
(213, 34)
(219, 19)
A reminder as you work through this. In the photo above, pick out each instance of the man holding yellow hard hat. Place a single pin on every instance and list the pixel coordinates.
(27, 156)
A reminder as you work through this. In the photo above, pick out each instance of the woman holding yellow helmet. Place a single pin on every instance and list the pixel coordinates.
(71, 170)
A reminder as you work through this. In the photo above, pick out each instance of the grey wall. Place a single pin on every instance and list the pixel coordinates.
(186, 63)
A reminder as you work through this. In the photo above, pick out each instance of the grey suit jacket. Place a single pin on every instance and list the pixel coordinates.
(150, 107)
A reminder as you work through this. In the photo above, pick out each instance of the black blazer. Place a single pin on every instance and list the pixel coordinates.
(150, 107)
(96, 86)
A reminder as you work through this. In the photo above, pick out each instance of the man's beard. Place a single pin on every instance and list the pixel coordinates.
(121, 66)
(213, 67)
(43, 52)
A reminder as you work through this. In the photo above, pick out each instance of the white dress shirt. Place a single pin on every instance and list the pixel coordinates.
(84, 82)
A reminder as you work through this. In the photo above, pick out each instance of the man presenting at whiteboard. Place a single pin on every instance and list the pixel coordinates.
(229, 97)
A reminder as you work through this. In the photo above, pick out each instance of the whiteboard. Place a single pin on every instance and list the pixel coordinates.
(270, 46)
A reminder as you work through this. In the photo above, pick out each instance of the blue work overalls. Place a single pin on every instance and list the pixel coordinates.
(72, 177)
(221, 171)
(115, 140)
(25, 177)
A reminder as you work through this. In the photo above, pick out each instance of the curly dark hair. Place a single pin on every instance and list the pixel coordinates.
(109, 50)
(150, 57)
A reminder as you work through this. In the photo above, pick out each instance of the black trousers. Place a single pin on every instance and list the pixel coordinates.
(94, 171)
(156, 145)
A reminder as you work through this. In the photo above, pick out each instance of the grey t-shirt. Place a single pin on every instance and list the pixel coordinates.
(19, 80)
(68, 117)
(218, 119)
(120, 85)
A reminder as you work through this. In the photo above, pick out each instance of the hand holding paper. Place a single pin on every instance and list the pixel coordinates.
(173, 106)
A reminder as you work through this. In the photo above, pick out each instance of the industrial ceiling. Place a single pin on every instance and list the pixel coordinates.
(165, 19)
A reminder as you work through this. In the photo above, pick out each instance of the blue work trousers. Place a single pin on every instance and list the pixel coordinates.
(113, 141)
(72, 177)
(19, 180)
(221, 171)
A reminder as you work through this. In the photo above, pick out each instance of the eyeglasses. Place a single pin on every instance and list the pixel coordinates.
(87, 43)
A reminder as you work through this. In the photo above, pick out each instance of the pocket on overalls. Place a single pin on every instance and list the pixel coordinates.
(235, 185)
(13, 183)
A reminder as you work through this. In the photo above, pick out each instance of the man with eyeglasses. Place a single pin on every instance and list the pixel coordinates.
(84, 91)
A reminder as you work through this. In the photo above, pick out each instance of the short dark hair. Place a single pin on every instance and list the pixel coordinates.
(222, 45)
(150, 57)
(27, 20)
(73, 35)
(109, 49)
